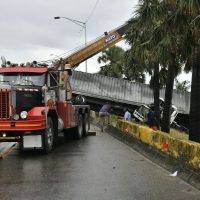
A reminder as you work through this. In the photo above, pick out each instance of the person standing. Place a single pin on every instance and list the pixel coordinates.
(104, 112)
(151, 120)
(127, 115)
(65, 93)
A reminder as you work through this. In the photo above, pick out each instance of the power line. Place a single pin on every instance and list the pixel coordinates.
(95, 5)
(90, 15)
(64, 54)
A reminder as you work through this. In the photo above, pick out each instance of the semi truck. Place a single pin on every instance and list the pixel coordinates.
(36, 99)
(140, 114)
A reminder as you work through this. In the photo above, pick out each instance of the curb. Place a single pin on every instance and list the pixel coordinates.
(183, 150)
(185, 172)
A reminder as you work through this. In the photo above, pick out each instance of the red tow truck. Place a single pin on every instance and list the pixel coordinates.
(36, 100)
(33, 109)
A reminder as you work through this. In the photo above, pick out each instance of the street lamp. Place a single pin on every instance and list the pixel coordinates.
(79, 23)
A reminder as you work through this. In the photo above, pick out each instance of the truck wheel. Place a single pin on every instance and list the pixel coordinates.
(86, 124)
(79, 128)
(48, 136)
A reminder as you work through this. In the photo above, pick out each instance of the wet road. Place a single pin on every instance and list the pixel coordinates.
(95, 168)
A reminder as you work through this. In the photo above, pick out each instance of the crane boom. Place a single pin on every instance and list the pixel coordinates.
(107, 40)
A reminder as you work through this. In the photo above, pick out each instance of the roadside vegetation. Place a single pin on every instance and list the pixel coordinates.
(164, 40)
(173, 132)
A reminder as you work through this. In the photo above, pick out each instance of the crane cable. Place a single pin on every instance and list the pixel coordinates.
(91, 13)
(89, 16)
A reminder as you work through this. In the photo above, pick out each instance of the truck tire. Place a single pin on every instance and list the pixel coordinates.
(85, 124)
(48, 136)
(79, 128)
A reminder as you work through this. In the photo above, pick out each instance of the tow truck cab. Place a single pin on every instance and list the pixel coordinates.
(33, 111)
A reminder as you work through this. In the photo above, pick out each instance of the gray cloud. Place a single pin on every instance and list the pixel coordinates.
(28, 27)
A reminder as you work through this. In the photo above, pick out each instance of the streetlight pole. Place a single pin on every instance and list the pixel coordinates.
(79, 23)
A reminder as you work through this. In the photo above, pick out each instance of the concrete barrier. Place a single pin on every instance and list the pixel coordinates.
(146, 135)
(128, 128)
(187, 152)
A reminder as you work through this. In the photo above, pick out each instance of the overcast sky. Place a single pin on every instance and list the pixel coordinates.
(28, 30)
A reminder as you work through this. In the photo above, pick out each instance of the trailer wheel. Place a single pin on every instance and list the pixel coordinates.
(85, 124)
(79, 128)
(48, 136)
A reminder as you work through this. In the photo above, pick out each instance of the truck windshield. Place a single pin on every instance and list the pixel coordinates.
(23, 78)
(143, 110)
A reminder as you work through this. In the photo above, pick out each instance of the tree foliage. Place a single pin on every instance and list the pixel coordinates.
(113, 60)
(167, 32)
(116, 63)
(160, 39)
(134, 68)
(182, 86)
(164, 36)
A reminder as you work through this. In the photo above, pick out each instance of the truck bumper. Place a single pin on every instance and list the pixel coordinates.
(10, 139)
(15, 130)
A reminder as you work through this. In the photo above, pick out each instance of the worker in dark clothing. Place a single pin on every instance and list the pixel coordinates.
(104, 111)
(151, 120)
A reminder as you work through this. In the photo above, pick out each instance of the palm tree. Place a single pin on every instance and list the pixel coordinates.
(142, 25)
(160, 21)
(175, 37)
(113, 60)
(166, 39)
(191, 9)
(134, 68)
(179, 32)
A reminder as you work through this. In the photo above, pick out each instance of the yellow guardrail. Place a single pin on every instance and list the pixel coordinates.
(183, 150)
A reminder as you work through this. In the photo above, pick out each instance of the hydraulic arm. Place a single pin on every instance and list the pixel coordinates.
(107, 40)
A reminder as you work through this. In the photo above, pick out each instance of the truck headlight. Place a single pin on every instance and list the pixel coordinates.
(23, 114)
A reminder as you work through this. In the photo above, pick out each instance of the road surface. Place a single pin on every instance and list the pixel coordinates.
(96, 168)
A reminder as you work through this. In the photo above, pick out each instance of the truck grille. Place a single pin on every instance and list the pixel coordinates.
(4, 104)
